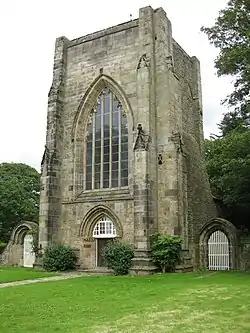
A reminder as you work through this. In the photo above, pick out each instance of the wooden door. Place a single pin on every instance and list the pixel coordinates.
(101, 242)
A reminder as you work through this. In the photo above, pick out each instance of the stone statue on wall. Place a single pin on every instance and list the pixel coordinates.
(142, 139)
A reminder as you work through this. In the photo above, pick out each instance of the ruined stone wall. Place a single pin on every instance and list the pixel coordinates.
(51, 191)
(169, 125)
(184, 197)
(158, 85)
(12, 255)
(199, 203)
(113, 53)
(244, 254)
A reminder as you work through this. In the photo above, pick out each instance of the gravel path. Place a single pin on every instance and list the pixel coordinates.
(45, 279)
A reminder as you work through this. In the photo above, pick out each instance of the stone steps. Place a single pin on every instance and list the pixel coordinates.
(96, 271)
(185, 265)
(184, 268)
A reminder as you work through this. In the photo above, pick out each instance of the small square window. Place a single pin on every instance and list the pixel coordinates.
(106, 176)
(114, 166)
(124, 182)
(106, 184)
(106, 167)
(88, 177)
(97, 185)
(115, 156)
(89, 185)
(114, 182)
(106, 158)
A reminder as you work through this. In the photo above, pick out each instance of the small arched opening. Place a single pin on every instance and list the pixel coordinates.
(218, 251)
(103, 232)
(218, 245)
(19, 250)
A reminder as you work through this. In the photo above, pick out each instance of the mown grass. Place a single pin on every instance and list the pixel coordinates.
(199, 303)
(11, 274)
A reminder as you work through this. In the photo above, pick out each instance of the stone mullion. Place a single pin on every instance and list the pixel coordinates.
(93, 153)
(110, 138)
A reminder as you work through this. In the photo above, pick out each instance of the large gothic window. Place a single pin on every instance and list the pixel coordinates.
(107, 144)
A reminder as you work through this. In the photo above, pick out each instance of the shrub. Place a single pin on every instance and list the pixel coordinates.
(118, 256)
(165, 251)
(59, 257)
(2, 246)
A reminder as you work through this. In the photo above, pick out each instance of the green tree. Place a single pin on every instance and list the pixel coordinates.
(228, 155)
(19, 196)
(238, 119)
(231, 35)
(228, 166)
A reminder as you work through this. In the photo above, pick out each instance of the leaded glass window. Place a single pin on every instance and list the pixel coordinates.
(104, 228)
(107, 145)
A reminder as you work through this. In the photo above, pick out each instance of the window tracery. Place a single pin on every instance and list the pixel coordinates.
(107, 144)
(104, 228)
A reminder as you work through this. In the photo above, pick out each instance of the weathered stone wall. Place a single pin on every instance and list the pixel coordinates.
(12, 255)
(201, 207)
(184, 197)
(51, 191)
(14, 251)
(113, 53)
(244, 254)
(159, 87)
(74, 233)
(168, 126)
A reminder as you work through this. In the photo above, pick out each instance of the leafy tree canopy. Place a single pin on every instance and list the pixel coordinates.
(228, 155)
(238, 119)
(19, 196)
(228, 166)
(231, 35)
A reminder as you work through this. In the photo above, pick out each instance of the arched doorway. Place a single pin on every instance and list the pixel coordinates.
(218, 245)
(28, 253)
(103, 232)
(218, 251)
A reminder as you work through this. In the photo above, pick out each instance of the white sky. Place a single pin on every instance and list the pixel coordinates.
(28, 29)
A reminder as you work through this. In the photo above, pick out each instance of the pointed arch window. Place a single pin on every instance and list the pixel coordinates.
(107, 144)
(104, 228)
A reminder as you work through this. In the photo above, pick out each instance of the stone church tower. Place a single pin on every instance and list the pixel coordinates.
(124, 144)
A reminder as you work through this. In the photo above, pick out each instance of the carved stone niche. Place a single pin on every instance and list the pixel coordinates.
(177, 139)
(142, 139)
(160, 159)
(144, 61)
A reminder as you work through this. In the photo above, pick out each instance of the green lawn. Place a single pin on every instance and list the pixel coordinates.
(11, 274)
(160, 304)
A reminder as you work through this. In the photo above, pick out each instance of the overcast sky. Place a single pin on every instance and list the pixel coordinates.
(28, 29)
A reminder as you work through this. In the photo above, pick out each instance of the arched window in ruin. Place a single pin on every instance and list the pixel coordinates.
(107, 144)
